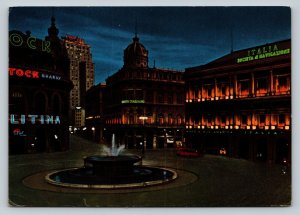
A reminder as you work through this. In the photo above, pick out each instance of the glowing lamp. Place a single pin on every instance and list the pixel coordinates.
(203, 126)
(236, 127)
(190, 126)
(231, 127)
(266, 127)
(212, 127)
(199, 100)
(226, 127)
(231, 97)
(93, 128)
(212, 99)
(203, 99)
(272, 127)
(217, 98)
(248, 127)
(198, 126)
(186, 100)
(216, 127)
(226, 97)
(286, 127)
(254, 127)
(186, 126)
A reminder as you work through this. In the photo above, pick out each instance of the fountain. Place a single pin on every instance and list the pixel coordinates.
(111, 171)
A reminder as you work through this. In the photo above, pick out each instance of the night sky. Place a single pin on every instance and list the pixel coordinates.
(176, 37)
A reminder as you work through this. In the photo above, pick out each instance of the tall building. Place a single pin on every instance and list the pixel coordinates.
(144, 107)
(240, 104)
(39, 89)
(81, 74)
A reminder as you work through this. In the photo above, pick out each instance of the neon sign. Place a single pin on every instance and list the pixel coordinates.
(18, 132)
(263, 52)
(16, 39)
(21, 73)
(132, 101)
(16, 119)
(31, 74)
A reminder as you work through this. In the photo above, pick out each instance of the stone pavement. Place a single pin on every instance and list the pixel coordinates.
(208, 181)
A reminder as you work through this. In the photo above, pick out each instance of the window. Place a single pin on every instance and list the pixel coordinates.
(209, 92)
(223, 119)
(170, 99)
(282, 81)
(244, 119)
(160, 98)
(262, 83)
(209, 118)
(262, 119)
(281, 119)
(223, 90)
(244, 86)
(179, 99)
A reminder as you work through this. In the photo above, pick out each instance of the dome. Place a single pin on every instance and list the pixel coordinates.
(135, 55)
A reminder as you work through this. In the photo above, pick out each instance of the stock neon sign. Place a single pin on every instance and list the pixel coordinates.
(23, 73)
(31, 74)
(16, 119)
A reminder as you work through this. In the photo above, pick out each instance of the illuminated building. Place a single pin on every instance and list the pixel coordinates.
(94, 120)
(242, 102)
(144, 106)
(81, 74)
(39, 88)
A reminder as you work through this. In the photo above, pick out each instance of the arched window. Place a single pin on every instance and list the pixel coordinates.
(179, 119)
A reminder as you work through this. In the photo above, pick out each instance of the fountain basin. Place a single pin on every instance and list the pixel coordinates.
(141, 176)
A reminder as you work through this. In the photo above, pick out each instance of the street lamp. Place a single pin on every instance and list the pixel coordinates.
(93, 129)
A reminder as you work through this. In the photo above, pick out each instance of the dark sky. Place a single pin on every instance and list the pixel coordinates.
(176, 37)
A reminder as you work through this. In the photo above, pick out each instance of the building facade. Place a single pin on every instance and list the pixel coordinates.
(39, 88)
(240, 104)
(94, 120)
(144, 106)
(82, 76)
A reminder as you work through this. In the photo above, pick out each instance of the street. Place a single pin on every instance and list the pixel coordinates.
(209, 181)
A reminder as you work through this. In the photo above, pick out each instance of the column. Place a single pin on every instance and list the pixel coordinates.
(216, 88)
(235, 87)
(271, 85)
(202, 93)
(253, 85)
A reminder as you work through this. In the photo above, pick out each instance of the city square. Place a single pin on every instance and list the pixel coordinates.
(157, 116)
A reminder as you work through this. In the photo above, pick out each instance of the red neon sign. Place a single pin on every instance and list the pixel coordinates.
(20, 73)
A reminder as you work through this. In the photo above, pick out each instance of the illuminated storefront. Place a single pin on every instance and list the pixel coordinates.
(242, 103)
(39, 89)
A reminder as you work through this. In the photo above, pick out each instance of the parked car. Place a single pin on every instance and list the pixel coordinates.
(187, 152)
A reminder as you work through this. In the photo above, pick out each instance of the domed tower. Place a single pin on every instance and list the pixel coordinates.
(135, 55)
